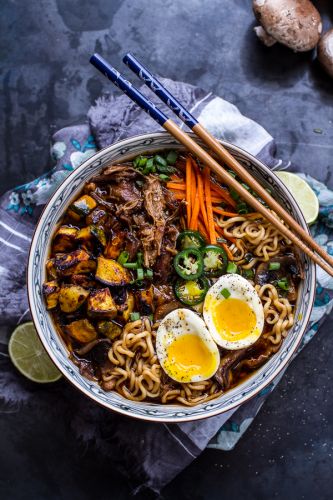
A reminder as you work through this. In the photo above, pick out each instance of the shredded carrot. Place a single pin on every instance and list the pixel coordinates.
(209, 208)
(179, 191)
(188, 189)
(196, 204)
(179, 196)
(224, 245)
(203, 209)
(202, 229)
(216, 199)
(176, 178)
(223, 212)
(224, 193)
(193, 187)
(222, 233)
(176, 185)
(227, 249)
(195, 213)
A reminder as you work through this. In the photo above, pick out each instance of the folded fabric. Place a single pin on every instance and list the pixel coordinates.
(149, 454)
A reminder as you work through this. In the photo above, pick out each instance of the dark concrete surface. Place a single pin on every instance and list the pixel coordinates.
(47, 83)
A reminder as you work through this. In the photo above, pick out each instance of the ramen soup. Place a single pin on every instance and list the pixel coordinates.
(165, 286)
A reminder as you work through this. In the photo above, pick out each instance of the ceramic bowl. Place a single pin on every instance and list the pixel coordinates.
(69, 189)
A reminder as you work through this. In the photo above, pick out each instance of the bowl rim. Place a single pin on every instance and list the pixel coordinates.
(108, 405)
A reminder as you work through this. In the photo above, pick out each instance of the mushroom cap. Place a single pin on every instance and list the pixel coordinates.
(294, 23)
(325, 52)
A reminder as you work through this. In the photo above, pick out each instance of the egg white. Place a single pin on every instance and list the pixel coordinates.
(239, 288)
(176, 324)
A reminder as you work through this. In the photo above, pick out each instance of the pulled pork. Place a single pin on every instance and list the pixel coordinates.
(143, 209)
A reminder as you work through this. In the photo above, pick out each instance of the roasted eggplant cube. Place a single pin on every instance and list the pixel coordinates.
(99, 234)
(51, 269)
(71, 297)
(101, 304)
(125, 309)
(82, 331)
(85, 239)
(64, 239)
(84, 281)
(109, 329)
(83, 205)
(51, 293)
(73, 216)
(84, 235)
(77, 262)
(111, 272)
(144, 301)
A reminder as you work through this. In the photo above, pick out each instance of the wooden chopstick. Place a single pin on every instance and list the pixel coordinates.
(228, 179)
(174, 105)
(237, 167)
(136, 96)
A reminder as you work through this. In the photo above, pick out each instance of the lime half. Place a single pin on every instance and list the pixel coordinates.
(303, 194)
(29, 356)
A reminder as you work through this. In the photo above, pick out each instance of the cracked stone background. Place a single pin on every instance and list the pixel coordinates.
(47, 83)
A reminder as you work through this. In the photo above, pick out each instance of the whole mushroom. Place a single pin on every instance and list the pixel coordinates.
(294, 23)
(325, 52)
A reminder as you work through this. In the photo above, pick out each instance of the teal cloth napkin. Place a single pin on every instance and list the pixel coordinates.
(171, 447)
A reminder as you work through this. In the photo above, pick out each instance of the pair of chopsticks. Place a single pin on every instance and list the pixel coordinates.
(296, 233)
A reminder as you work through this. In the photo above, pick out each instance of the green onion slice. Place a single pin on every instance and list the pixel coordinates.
(123, 258)
(274, 266)
(140, 273)
(283, 284)
(134, 316)
(159, 160)
(248, 273)
(171, 157)
(131, 265)
(232, 268)
(225, 292)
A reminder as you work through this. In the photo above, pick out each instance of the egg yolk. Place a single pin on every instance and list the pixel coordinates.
(234, 319)
(188, 356)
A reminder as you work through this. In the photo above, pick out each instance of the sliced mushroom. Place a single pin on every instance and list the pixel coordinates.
(288, 269)
(259, 354)
(88, 347)
(294, 23)
(223, 374)
(325, 52)
(93, 360)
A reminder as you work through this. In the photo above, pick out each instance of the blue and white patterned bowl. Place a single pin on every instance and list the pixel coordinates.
(69, 189)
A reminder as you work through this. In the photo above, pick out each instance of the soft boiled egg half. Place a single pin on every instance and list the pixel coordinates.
(185, 348)
(233, 312)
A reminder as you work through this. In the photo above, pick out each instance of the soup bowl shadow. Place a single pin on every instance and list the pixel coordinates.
(50, 219)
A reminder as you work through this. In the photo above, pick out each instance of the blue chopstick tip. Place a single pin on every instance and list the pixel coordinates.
(127, 56)
(94, 57)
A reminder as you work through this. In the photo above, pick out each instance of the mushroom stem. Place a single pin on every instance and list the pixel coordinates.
(264, 37)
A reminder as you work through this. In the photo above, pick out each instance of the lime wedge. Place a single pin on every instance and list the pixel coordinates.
(303, 194)
(29, 356)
